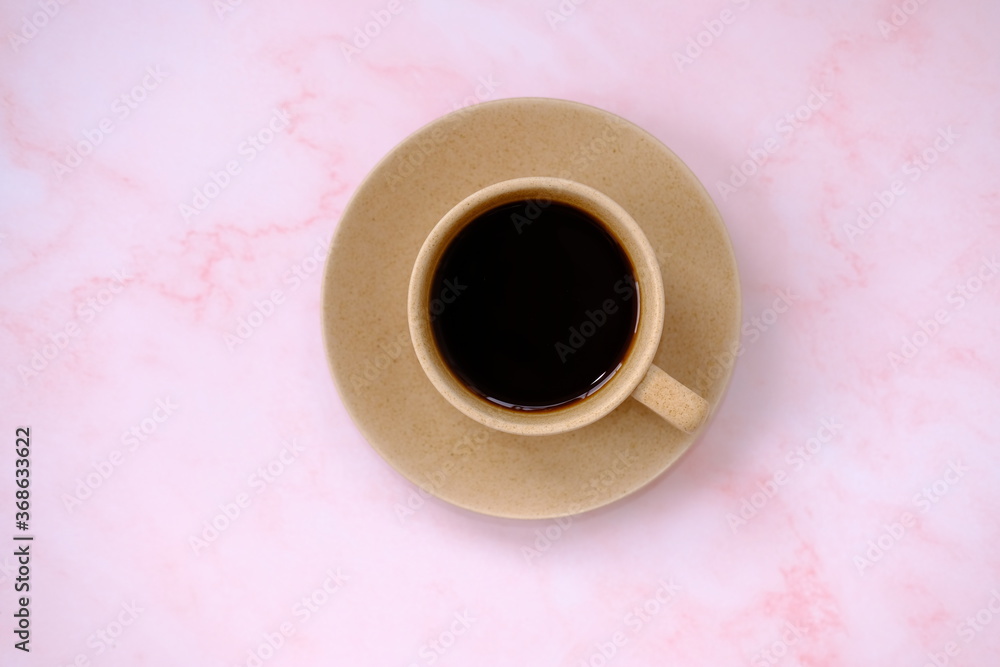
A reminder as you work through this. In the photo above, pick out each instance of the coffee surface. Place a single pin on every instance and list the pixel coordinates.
(534, 305)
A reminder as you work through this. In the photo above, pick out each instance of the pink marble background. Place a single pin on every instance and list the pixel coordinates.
(170, 177)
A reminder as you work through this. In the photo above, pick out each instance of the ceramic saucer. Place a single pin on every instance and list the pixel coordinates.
(365, 322)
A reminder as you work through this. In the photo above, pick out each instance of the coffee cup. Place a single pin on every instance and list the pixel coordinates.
(536, 307)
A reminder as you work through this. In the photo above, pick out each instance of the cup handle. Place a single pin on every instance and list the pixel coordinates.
(671, 400)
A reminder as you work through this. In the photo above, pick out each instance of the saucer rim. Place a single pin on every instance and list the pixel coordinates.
(342, 383)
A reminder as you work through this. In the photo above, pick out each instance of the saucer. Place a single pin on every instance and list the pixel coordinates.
(371, 357)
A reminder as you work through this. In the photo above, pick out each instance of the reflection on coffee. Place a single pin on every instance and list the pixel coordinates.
(534, 305)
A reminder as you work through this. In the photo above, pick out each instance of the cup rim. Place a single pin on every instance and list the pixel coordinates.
(637, 360)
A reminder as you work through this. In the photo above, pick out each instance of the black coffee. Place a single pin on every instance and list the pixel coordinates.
(534, 305)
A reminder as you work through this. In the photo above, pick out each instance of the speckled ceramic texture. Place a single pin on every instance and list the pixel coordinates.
(365, 305)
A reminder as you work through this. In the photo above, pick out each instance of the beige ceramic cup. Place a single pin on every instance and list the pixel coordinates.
(636, 377)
